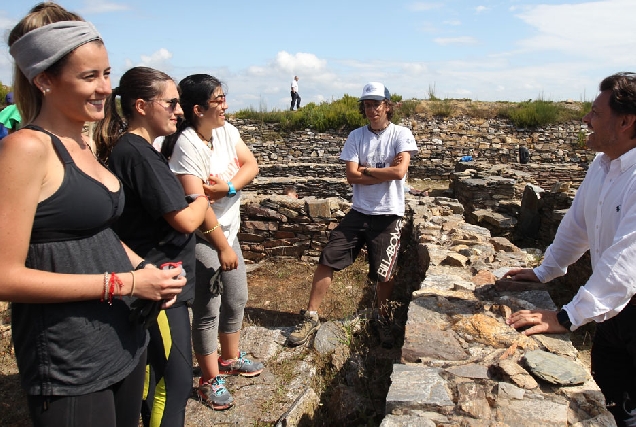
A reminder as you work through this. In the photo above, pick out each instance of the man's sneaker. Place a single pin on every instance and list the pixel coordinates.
(214, 394)
(305, 329)
(240, 366)
(383, 327)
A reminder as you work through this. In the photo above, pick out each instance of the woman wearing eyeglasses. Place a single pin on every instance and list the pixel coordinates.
(207, 150)
(157, 223)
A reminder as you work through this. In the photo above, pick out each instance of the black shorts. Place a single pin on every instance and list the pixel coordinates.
(381, 233)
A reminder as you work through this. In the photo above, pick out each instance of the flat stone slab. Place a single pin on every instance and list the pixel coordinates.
(428, 342)
(418, 387)
(471, 370)
(532, 413)
(406, 421)
(557, 344)
(555, 369)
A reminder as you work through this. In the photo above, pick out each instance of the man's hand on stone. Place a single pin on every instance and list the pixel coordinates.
(537, 321)
(524, 274)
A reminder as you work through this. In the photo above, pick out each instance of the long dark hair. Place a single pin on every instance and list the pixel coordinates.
(137, 83)
(194, 90)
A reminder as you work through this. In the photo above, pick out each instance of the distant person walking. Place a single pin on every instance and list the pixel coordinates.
(294, 94)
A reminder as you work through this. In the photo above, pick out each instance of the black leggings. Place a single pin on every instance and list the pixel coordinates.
(169, 380)
(115, 406)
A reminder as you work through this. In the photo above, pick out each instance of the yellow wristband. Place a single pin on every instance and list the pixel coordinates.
(212, 229)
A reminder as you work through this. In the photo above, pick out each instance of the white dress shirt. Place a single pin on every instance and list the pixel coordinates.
(602, 218)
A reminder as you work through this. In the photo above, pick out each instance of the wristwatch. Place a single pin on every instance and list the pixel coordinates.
(142, 264)
(564, 319)
(232, 191)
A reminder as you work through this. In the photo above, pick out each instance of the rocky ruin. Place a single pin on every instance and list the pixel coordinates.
(459, 365)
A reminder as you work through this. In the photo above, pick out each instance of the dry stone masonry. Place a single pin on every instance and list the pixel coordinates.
(460, 364)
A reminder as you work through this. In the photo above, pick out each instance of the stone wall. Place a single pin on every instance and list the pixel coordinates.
(556, 154)
(282, 226)
(461, 364)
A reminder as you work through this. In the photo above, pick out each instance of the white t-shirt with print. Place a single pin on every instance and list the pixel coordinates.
(378, 151)
(192, 156)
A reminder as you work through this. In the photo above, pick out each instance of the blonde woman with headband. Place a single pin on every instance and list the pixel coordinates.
(81, 358)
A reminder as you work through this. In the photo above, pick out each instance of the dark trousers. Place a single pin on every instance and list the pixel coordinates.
(614, 363)
(116, 406)
(169, 380)
(295, 98)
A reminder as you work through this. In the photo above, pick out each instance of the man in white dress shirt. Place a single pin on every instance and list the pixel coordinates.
(602, 219)
(295, 97)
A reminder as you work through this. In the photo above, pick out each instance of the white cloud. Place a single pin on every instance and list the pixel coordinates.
(159, 60)
(455, 40)
(298, 63)
(453, 22)
(420, 6)
(599, 30)
(101, 6)
(480, 9)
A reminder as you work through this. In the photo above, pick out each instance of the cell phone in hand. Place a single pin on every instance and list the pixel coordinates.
(171, 265)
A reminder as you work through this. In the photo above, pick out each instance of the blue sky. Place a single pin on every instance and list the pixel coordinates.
(484, 50)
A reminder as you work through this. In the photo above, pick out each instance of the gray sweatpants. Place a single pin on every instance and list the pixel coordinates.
(222, 313)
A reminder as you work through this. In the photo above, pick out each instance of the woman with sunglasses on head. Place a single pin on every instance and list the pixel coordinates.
(157, 222)
(205, 150)
(69, 277)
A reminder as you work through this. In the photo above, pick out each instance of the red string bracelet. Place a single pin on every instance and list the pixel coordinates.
(114, 280)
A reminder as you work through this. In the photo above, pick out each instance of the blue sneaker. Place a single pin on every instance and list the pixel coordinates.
(240, 366)
(214, 394)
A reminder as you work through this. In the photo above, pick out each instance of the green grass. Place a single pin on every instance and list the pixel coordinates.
(532, 114)
(442, 108)
(343, 113)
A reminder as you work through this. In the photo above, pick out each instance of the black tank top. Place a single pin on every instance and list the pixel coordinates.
(78, 207)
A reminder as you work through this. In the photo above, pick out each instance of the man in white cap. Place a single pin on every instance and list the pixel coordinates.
(377, 158)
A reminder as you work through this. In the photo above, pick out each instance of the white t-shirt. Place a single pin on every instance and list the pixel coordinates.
(192, 156)
(378, 151)
(294, 86)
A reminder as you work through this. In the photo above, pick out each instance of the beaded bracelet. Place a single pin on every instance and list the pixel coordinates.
(212, 229)
(105, 292)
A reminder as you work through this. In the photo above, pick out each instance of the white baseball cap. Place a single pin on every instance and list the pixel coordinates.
(376, 91)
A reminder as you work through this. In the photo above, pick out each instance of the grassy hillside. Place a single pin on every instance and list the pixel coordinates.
(343, 113)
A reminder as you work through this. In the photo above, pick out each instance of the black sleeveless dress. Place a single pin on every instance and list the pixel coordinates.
(79, 347)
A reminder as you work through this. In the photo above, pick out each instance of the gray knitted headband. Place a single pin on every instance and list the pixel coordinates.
(38, 49)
